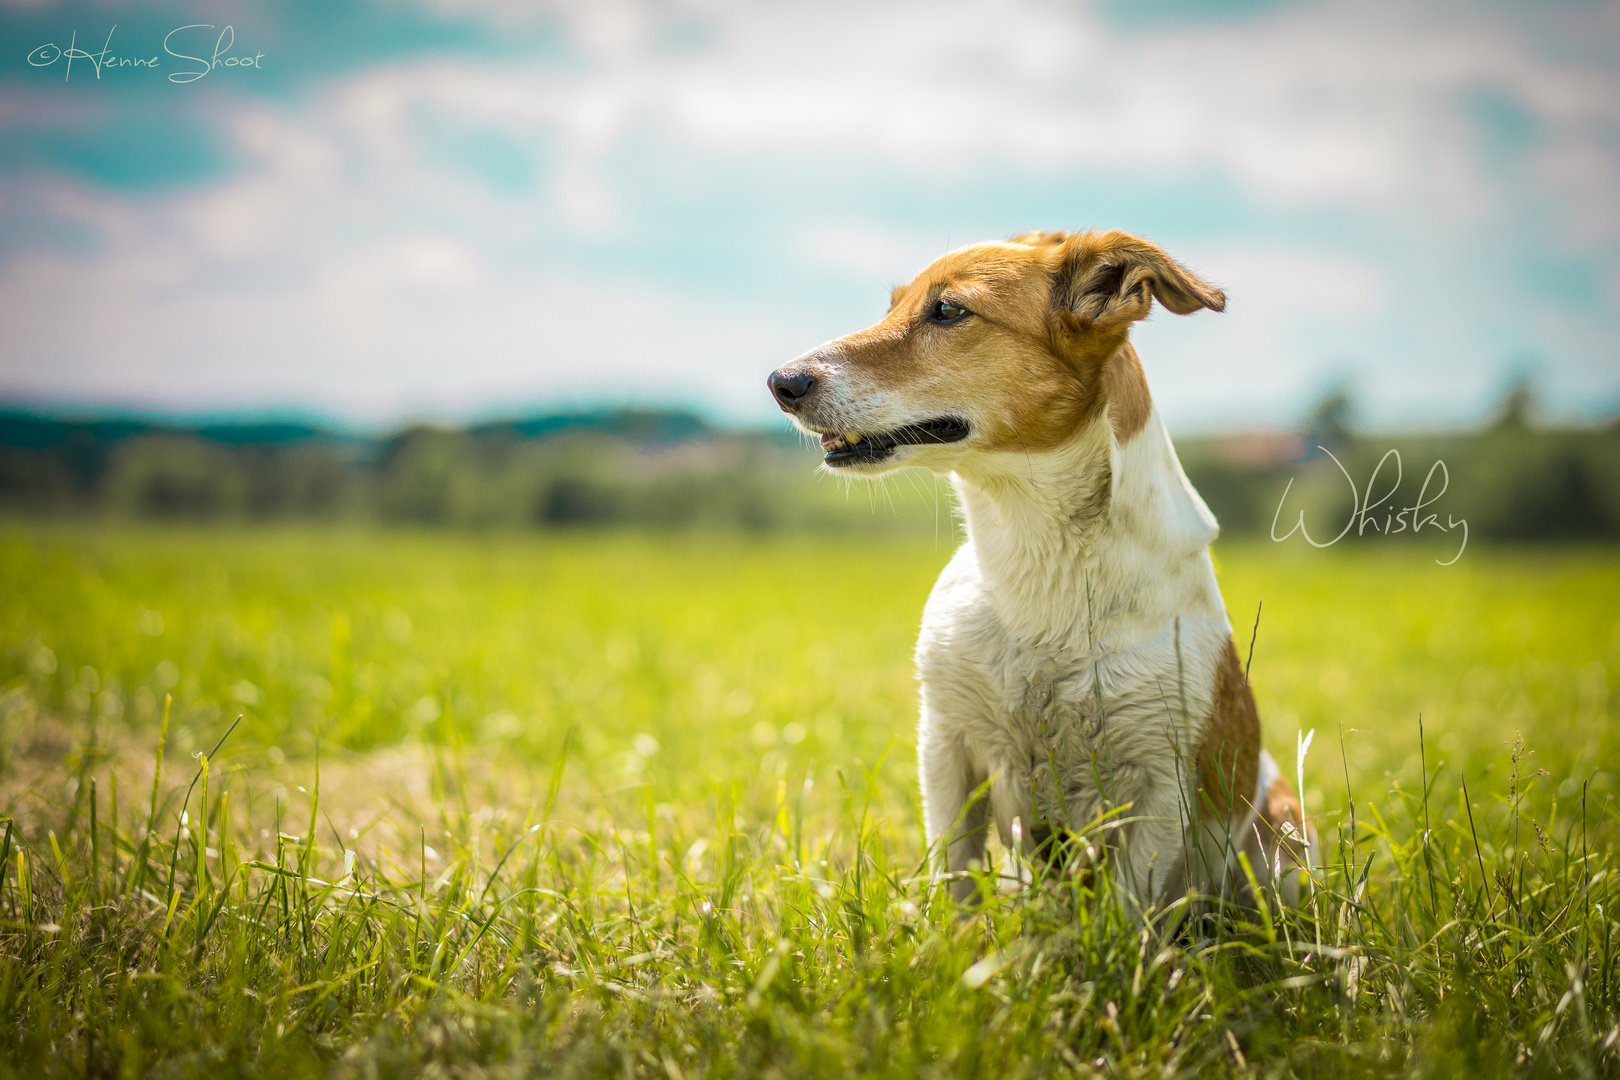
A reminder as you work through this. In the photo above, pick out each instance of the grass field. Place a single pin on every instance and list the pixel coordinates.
(640, 806)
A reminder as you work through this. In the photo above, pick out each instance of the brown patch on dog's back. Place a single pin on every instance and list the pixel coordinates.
(1277, 841)
(1285, 817)
(1229, 756)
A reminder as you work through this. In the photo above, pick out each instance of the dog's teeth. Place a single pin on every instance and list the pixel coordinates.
(851, 438)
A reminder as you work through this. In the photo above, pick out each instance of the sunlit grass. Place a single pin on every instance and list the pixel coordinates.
(645, 806)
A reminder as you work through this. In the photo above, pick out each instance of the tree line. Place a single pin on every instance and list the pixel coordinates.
(661, 469)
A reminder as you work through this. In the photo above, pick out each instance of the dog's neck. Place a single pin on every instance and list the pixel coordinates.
(1093, 547)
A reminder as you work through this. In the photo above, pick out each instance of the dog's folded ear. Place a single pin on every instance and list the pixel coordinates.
(1110, 280)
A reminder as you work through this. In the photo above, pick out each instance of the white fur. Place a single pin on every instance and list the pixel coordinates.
(1074, 622)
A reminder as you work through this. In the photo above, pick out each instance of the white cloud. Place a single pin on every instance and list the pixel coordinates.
(870, 250)
(1343, 101)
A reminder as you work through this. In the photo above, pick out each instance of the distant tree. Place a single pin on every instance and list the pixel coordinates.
(1330, 420)
(1519, 404)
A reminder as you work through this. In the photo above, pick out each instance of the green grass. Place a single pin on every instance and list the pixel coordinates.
(640, 806)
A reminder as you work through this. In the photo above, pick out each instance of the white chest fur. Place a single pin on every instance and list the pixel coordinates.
(1068, 652)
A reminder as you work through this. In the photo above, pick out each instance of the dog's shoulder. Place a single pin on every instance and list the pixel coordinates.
(959, 622)
(962, 646)
(957, 591)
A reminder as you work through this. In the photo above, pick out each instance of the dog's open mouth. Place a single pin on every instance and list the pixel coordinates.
(854, 448)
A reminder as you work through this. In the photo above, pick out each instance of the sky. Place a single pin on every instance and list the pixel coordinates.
(372, 212)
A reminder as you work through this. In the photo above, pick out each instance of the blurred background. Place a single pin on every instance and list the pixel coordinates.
(503, 264)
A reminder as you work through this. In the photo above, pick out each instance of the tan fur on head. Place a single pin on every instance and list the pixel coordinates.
(1043, 352)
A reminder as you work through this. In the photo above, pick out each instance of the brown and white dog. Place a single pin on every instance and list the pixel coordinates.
(1075, 653)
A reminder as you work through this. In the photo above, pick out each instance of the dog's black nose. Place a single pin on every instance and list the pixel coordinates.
(789, 389)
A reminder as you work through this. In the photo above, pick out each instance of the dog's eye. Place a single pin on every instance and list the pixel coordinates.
(946, 312)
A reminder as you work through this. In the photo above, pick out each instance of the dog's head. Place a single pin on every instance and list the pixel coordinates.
(1006, 347)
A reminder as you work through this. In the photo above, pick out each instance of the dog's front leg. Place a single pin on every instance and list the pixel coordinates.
(956, 828)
